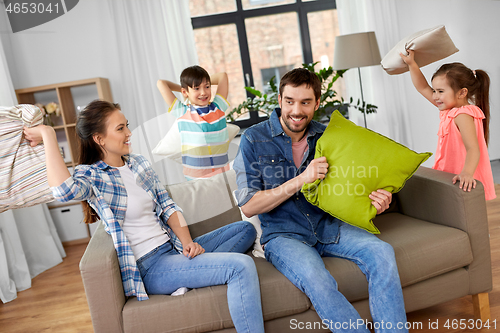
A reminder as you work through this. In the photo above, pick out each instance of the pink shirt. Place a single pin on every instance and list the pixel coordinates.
(299, 149)
(450, 153)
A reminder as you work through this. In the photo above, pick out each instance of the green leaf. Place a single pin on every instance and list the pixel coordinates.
(254, 91)
(272, 83)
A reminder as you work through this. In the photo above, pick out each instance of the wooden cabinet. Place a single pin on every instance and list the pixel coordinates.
(69, 96)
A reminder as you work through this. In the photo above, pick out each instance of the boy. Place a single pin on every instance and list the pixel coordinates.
(202, 123)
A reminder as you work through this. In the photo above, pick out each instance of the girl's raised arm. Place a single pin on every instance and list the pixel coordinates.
(57, 172)
(418, 79)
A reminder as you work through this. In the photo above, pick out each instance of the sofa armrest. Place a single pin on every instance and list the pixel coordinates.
(101, 277)
(430, 195)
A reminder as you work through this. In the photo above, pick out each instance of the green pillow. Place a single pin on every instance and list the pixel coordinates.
(360, 161)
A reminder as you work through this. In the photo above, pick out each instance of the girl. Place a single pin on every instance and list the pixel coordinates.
(463, 129)
(125, 193)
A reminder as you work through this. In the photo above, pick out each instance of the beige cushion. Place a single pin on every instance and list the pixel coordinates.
(430, 45)
(207, 204)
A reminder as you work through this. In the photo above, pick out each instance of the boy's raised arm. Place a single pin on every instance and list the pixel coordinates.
(166, 88)
(222, 83)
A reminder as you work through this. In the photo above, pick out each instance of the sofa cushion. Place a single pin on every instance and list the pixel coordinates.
(423, 250)
(360, 161)
(208, 312)
(280, 298)
(207, 204)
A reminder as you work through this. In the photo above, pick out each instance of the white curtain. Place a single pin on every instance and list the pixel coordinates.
(155, 40)
(379, 88)
(29, 243)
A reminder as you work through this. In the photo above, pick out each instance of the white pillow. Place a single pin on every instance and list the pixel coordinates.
(431, 45)
(257, 251)
(170, 145)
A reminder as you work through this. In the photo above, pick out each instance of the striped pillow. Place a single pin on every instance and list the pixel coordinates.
(23, 180)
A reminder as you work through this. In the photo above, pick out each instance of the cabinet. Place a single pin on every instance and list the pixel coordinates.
(71, 98)
(69, 222)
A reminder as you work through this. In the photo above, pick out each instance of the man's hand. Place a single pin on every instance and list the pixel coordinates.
(192, 249)
(381, 200)
(317, 169)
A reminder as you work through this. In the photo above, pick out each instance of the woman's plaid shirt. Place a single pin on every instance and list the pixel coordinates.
(102, 186)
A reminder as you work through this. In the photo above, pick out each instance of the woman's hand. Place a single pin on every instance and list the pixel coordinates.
(192, 249)
(467, 181)
(381, 200)
(408, 59)
(34, 134)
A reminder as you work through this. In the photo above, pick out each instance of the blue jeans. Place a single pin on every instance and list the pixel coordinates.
(303, 266)
(164, 270)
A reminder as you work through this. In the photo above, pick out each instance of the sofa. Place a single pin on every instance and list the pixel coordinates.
(439, 234)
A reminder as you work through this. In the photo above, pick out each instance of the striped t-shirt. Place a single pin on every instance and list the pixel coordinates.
(204, 138)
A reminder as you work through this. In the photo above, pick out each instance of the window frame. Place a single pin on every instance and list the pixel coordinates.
(238, 18)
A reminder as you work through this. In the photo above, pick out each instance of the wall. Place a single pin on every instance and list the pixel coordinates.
(75, 46)
(475, 30)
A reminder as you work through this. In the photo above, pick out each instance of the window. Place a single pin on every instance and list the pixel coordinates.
(254, 40)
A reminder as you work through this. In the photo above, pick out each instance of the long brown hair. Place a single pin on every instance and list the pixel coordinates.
(478, 86)
(92, 120)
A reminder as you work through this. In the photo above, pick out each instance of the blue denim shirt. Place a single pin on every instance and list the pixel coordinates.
(265, 161)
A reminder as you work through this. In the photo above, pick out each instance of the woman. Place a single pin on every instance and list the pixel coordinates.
(156, 252)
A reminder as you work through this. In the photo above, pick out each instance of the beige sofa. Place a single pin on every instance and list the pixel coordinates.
(439, 233)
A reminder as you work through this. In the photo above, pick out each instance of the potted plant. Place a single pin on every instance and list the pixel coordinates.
(329, 102)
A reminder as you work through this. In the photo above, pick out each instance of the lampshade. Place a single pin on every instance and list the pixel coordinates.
(356, 50)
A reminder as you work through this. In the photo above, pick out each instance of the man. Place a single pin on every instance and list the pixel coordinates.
(275, 159)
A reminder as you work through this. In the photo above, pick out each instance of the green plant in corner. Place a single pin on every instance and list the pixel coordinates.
(329, 102)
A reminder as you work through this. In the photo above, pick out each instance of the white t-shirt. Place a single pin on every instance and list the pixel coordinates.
(141, 224)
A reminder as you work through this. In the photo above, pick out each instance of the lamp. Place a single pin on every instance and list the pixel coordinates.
(356, 50)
